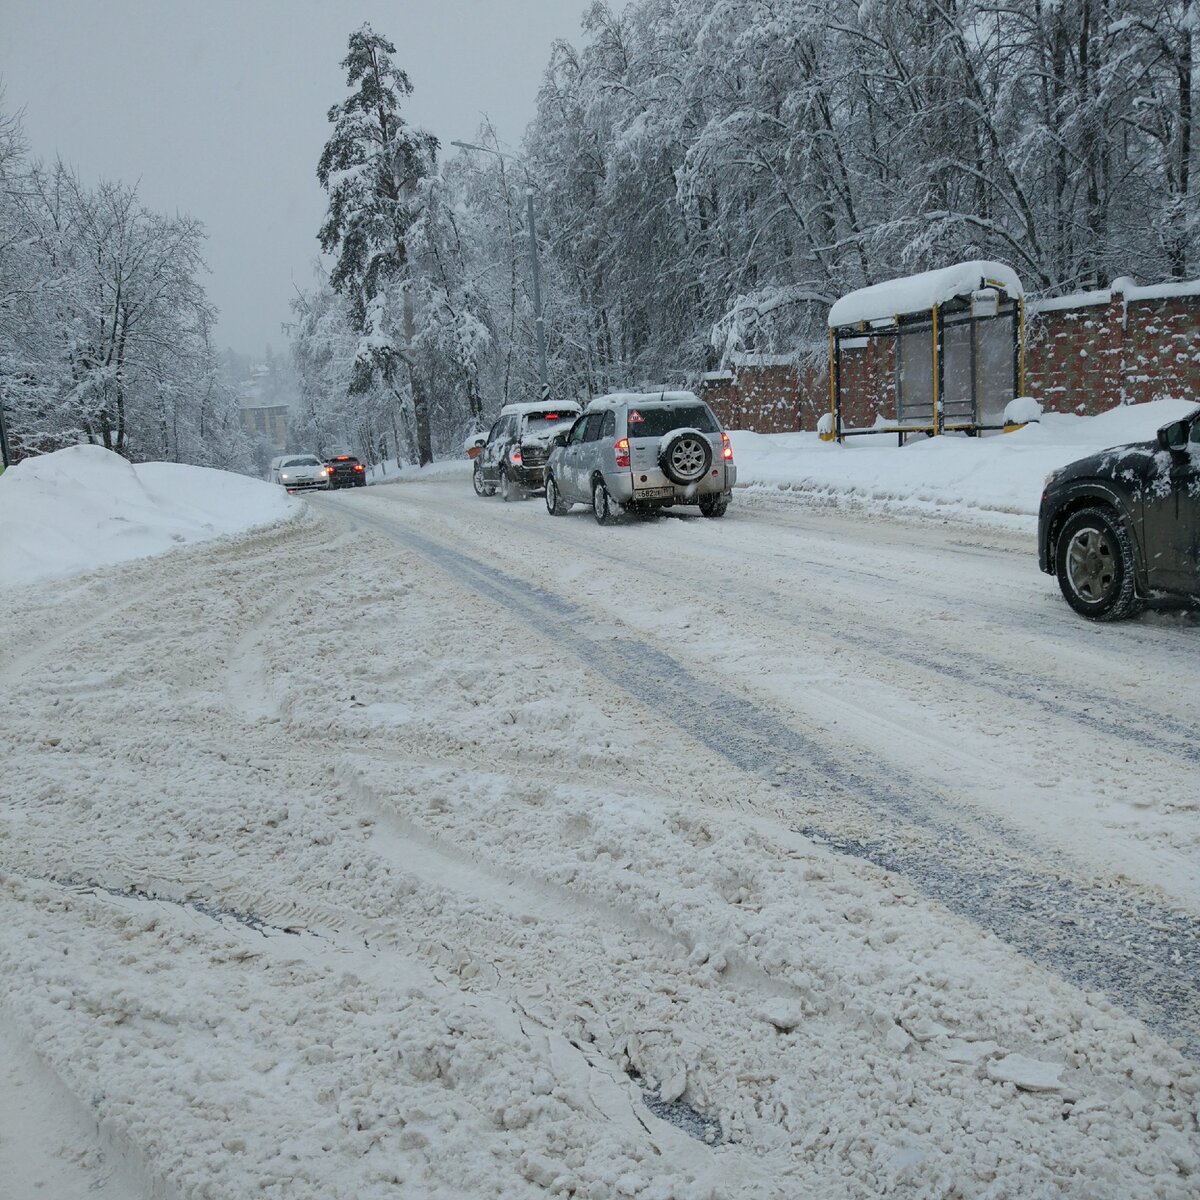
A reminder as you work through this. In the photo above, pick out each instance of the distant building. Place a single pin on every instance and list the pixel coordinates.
(268, 421)
(262, 413)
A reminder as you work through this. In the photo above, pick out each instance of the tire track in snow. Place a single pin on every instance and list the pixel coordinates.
(1143, 956)
(1092, 710)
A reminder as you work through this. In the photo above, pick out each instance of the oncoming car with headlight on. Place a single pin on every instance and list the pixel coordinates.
(300, 473)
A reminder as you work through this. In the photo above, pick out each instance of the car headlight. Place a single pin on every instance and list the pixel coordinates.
(283, 477)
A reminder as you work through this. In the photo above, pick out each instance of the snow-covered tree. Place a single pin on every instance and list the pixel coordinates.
(372, 166)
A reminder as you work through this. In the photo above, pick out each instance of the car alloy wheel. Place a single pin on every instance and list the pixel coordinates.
(1095, 565)
(477, 481)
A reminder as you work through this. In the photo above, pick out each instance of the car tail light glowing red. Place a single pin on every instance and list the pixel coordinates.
(359, 467)
(726, 448)
(622, 449)
(328, 470)
(515, 456)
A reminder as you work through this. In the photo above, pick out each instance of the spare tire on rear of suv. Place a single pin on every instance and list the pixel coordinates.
(685, 456)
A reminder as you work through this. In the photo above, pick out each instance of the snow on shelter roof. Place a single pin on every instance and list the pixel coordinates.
(919, 293)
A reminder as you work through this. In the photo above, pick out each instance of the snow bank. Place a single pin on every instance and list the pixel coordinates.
(86, 507)
(950, 475)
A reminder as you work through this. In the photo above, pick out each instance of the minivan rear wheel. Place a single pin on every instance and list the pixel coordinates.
(713, 505)
(509, 490)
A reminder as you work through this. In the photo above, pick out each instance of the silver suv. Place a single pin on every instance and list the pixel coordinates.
(633, 452)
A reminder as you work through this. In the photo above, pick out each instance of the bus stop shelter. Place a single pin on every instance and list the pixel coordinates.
(939, 352)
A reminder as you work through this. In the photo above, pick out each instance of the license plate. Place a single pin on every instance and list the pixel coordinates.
(662, 493)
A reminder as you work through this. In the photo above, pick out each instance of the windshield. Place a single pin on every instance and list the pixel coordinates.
(662, 418)
(307, 461)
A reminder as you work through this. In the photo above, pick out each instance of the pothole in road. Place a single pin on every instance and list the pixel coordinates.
(678, 1113)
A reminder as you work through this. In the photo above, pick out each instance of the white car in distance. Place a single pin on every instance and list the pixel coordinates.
(300, 473)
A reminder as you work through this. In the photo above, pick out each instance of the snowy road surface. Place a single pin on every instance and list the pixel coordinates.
(432, 847)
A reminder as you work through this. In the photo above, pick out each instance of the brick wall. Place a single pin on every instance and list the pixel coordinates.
(775, 397)
(1083, 354)
(1089, 353)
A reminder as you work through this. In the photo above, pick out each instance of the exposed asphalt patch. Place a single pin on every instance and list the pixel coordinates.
(214, 912)
(1144, 957)
(678, 1113)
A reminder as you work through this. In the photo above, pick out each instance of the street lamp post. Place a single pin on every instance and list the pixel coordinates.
(539, 323)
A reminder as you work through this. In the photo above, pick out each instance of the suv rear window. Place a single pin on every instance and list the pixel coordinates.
(662, 418)
(539, 422)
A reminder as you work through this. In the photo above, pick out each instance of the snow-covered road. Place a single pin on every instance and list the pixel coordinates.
(431, 846)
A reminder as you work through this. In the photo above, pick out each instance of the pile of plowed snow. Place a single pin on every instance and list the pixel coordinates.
(998, 478)
(86, 507)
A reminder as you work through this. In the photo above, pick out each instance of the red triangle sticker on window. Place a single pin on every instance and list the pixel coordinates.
(635, 417)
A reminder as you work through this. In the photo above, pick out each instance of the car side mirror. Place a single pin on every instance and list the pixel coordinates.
(480, 439)
(560, 439)
(1174, 437)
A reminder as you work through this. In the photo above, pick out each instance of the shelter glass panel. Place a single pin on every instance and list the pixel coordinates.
(958, 404)
(995, 369)
(914, 378)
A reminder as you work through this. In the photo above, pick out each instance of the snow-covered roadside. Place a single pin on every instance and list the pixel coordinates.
(84, 507)
(368, 889)
(996, 480)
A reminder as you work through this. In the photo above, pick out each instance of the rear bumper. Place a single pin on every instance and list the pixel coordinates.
(530, 478)
(653, 487)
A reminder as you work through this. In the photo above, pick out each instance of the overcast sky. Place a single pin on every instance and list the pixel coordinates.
(217, 108)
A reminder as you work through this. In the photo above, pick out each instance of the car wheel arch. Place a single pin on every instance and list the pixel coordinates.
(1093, 496)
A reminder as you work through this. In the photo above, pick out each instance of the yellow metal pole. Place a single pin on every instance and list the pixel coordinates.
(936, 397)
(833, 387)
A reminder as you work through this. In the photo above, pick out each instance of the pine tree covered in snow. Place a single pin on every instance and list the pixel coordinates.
(372, 167)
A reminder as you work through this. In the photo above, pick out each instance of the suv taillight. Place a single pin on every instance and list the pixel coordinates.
(622, 450)
(514, 456)
(726, 448)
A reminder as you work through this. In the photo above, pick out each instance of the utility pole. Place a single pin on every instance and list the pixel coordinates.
(540, 325)
(539, 322)
(5, 454)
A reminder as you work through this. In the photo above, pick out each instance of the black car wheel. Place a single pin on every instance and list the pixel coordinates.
(606, 510)
(556, 506)
(713, 505)
(481, 488)
(509, 489)
(686, 458)
(1095, 565)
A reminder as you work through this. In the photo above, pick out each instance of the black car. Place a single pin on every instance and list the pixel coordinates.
(1122, 527)
(344, 470)
(513, 459)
